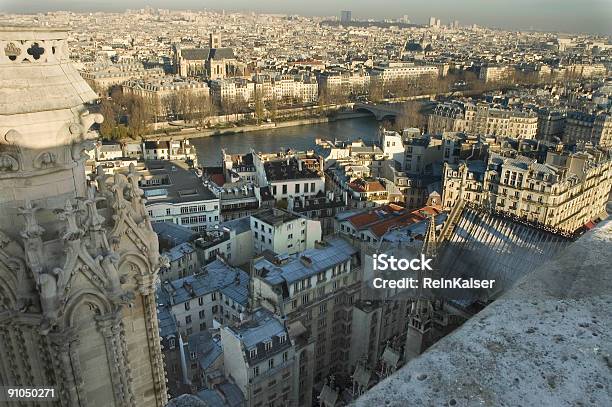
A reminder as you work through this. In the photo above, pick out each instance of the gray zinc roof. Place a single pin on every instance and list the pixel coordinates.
(337, 251)
(218, 276)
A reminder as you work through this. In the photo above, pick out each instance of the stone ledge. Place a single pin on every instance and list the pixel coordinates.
(546, 342)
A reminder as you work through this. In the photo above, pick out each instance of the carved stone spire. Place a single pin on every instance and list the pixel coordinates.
(65, 293)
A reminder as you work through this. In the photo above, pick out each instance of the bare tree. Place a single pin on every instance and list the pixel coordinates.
(376, 90)
(259, 108)
(203, 109)
(410, 116)
(138, 118)
(110, 119)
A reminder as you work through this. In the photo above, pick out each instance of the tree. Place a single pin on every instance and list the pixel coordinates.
(138, 118)
(259, 108)
(273, 107)
(110, 119)
(410, 116)
(375, 90)
(203, 109)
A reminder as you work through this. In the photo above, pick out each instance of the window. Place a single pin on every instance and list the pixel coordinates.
(282, 338)
(187, 306)
(172, 343)
(297, 188)
(268, 345)
(271, 363)
(306, 187)
(256, 371)
(188, 319)
(284, 189)
(168, 211)
(214, 296)
(202, 326)
(201, 301)
(201, 314)
(252, 353)
(312, 187)
(285, 356)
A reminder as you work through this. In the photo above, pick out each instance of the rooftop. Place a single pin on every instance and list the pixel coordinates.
(262, 327)
(290, 169)
(275, 216)
(308, 263)
(176, 183)
(216, 276)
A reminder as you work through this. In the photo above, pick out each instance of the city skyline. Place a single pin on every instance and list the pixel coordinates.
(197, 204)
(590, 16)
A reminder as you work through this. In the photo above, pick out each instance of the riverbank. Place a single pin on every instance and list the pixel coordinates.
(195, 133)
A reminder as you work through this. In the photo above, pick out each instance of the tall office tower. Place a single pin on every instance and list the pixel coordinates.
(432, 21)
(78, 263)
(346, 16)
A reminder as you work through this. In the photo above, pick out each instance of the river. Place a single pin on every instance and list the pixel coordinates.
(269, 140)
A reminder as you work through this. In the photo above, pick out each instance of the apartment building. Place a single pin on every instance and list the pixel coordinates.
(230, 90)
(319, 208)
(183, 261)
(215, 296)
(104, 73)
(283, 232)
(285, 88)
(233, 241)
(551, 124)
(400, 71)
(496, 73)
(176, 194)
(282, 88)
(567, 192)
(290, 174)
(314, 292)
(344, 82)
(159, 93)
(482, 119)
(366, 228)
(588, 128)
(260, 358)
(172, 150)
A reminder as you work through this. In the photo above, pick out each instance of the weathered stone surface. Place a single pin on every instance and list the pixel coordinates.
(547, 342)
(78, 258)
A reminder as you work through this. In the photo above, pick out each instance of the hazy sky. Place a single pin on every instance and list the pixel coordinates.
(553, 15)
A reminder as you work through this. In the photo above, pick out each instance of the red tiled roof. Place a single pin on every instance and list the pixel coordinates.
(405, 219)
(363, 219)
(218, 179)
(361, 185)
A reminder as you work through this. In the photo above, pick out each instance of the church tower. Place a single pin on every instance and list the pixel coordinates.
(422, 310)
(214, 40)
(78, 257)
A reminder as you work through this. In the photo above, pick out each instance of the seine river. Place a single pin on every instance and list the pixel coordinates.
(297, 138)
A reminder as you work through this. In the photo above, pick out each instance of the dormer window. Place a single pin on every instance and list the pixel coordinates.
(282, 338)
(268, 345)
(252, 353)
